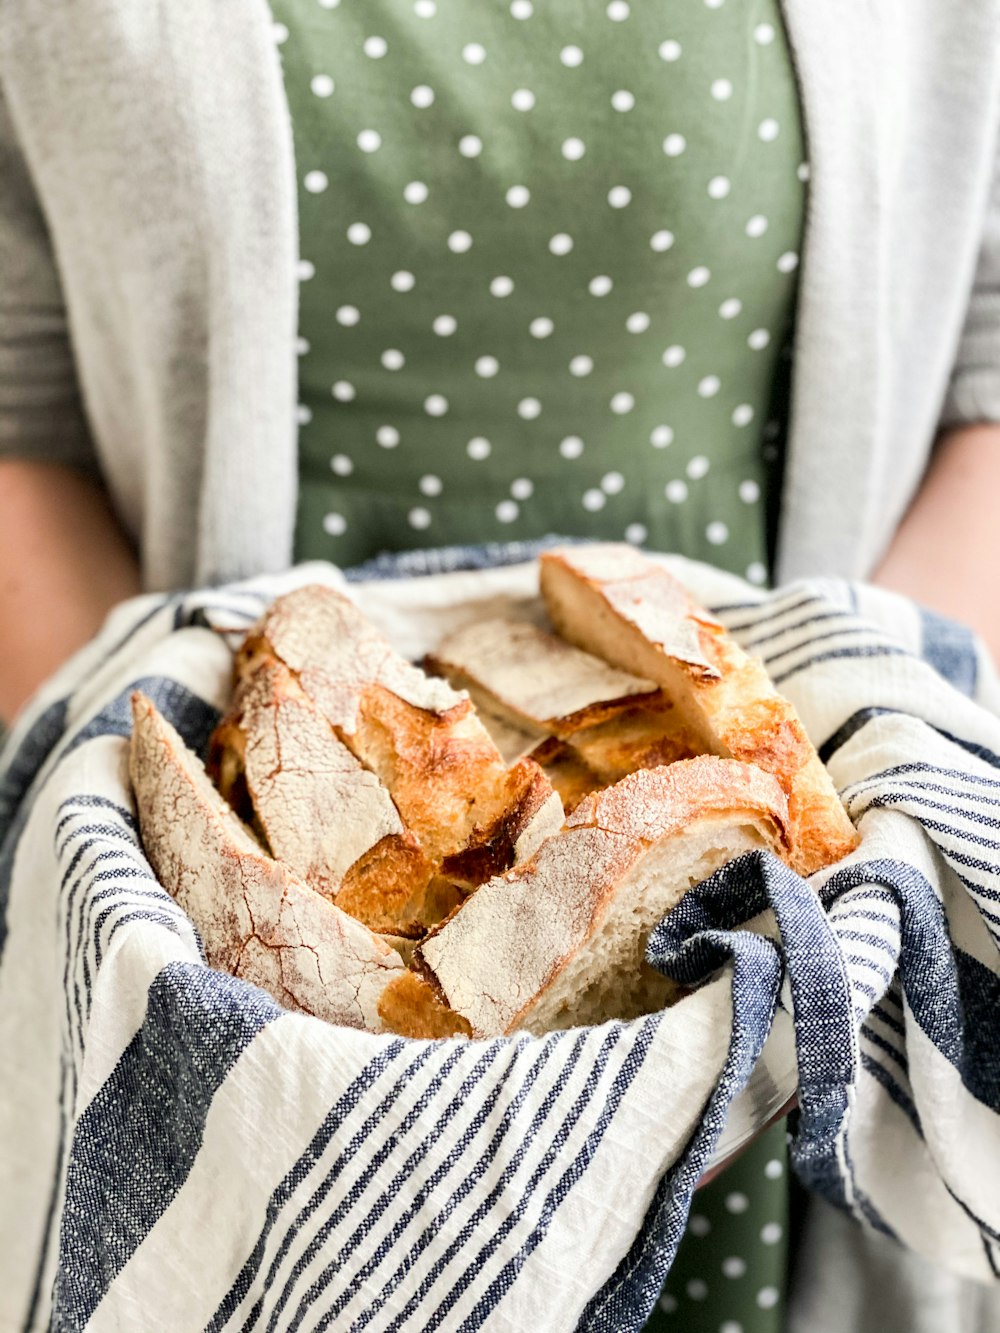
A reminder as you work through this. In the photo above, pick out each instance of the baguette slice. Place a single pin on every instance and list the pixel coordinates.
(326, 816)
(615, 721)
(530, 677)
(421, 738)
(614, 602)
(561, 941)
(256, 919)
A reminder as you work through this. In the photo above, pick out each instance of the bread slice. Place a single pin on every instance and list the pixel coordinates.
(560, 942)
(533, 680)
(528, 676)
(327, 817)
(616, 603)
(256, 919)
(423, 740)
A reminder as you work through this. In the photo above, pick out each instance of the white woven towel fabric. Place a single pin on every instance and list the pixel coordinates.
(177, 1152)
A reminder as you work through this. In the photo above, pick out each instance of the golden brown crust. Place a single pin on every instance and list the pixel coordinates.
(566, 771)
(423, 741)
(614, 741)
(328, 818)
(490, 847)
(616, 602)
(410, 1006)
(495, 958)
(443, 770)
(393, 888)
(256, 919)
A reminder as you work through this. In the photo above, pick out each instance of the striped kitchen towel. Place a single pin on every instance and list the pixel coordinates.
(177, 1152)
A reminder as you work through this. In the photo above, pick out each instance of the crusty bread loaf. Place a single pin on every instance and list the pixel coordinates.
(616, 603)
(560, 941)
(327, 817)
(423, 740)
(382, 790)
(615, 721)
(256, 919)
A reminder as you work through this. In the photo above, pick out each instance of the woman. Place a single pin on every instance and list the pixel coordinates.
(548, 262)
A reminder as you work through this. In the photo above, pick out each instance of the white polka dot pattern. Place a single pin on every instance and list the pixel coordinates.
(551, 318)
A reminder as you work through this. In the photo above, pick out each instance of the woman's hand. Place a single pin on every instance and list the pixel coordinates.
(64, 562)
(946, 553)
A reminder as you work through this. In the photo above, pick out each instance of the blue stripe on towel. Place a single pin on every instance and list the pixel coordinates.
(499, 1230)
(950, 649)
(570, 1050)
(690, 938)
(452, 1055)
(332, 1123)
(122, 1176)
(865, 652)
(642, 1035)
(459, 1152)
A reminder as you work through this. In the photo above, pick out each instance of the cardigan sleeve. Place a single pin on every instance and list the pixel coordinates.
(974, 391)
(41, 412)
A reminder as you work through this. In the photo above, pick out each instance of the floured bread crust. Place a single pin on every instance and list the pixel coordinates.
(323, 814)
(339, 655)
(533, 676)
(524, 950)
(414, 733)
(614, 721)
(660, 608)
(615, 602)
(256, 919)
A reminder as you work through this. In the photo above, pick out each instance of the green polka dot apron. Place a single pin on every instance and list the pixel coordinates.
(547, 278)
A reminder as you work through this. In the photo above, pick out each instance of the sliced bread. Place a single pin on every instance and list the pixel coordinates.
(420, 737)
(618, 604)
(257, 920)
(560, 941)
(533, 680)
(321, 811)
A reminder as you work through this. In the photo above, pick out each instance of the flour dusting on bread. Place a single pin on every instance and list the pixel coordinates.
(485, 845)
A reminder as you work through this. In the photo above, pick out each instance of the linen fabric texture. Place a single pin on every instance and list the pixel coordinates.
(148, 288)
(172, 1141)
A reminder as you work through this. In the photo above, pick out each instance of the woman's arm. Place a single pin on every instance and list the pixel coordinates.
(946, 553)
(64, 562)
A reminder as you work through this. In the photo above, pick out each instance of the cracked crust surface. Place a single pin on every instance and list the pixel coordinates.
(530, 676)
(500, 961)
(257, 920)
(324, 814)
(615, 602)
(338, 655)
(421, 739)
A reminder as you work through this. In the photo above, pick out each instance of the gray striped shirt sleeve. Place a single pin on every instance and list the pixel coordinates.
(41, 412)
